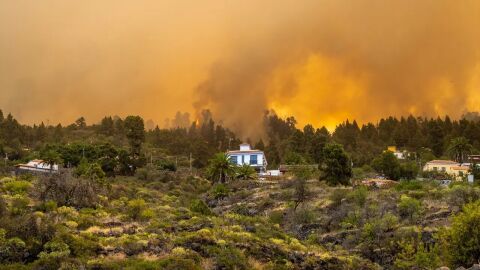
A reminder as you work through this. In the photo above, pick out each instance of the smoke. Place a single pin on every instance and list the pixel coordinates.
(320, 60)
(353, 59)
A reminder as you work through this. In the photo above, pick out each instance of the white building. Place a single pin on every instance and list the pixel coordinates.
(36, 165)
(398, 153)
(253, 157)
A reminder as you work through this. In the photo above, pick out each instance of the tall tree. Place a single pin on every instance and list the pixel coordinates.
(81, 123)
(336, 167)
(459, 149)
(51, 158)
(388, 165)
(135, 132)
(107, 126)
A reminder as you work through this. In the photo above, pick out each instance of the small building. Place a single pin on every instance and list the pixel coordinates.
(246, 155)
(474, 159)
(36, 166)
(450, 167)
(398, 153)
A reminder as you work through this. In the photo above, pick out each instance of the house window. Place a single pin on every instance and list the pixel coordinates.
(444, 169)
(435, 168)
(253, 160)
(234, 159)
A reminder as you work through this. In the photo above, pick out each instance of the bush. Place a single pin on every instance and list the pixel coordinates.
(230, 259)
(18, 187)
(54, 253)
(220, 191)
(409, 207)
(462, 239)
(276, 217)
(199, 206)
(11, 250)
(135, 208)
(409, 185)
(19, 204)
(416, 256)
(304, 216)
(338, 195)
(358, 196)
(166, 165)
(463, 194)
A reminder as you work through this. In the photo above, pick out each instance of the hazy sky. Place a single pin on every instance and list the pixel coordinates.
(322, 61)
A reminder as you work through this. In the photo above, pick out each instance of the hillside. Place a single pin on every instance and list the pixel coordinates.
(133, 224)
(173, 221)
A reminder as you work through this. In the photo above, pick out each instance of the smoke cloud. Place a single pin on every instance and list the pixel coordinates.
(321, 61)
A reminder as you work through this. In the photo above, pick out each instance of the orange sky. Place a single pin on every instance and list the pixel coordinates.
(320, 60)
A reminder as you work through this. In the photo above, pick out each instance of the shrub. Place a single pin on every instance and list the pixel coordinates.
(18, 187)
(409, 185)
(229, 258)
(166, 165)
(220, 191)
(416, 256)
(19, 204)
(358, 196)
(276, 217)
(135, 208)
(47, 206)
(11, 250)
(461, 194)
(304, 216)
(374, 233)
(338, 195)
(409, 207)
(132, 245)
(462, 239)
(54, 253)
(199, 206)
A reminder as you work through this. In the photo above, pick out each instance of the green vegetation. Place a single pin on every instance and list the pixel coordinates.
(336, 166)
(130, 198)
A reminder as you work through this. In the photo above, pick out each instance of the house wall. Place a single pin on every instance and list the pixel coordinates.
(439, 167)
(246, 158)
(451, 169)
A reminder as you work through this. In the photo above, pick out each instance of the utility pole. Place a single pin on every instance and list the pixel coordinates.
(190, 160)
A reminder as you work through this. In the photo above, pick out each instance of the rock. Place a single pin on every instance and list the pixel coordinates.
(461, 268)
(443, 268)
(475, 267)
(303, 231)
(250, 228)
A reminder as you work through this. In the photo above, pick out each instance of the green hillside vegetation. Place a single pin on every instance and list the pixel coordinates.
(131, 198)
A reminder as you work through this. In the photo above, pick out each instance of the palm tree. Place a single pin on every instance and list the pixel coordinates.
(220, 168)
(51, 158)
(459, 148)
(246, 172)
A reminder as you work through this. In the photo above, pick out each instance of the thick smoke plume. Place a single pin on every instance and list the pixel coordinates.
(354, 59)
(321, 61)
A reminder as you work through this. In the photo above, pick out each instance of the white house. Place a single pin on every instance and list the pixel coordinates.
(398, 153)
(246, 155)
(36, 165)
